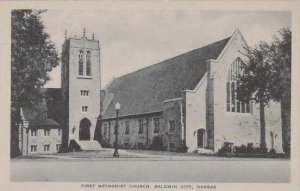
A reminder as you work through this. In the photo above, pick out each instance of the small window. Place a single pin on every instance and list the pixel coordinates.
(156, 125)
(140, 127)
(33, 132)
(115, 129)
(58, 146)
(126, 127)
(59, 131)
(33, 148)
(84, 108)
(84, 92)
(243, 107)
(172, 125)
(238, 107)
(247, 106)
(105, 129)
(47, 147)
(46, 132)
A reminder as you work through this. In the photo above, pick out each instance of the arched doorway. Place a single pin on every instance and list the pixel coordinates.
(200, 138)
(84, 129)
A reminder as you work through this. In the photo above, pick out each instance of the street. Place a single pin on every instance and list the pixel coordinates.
(155, 168)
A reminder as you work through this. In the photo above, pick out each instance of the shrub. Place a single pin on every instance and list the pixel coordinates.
(272, 151)
(262, 149)
(250, 148)
(74, 146)
(157, 144)
(182, 149)
(240, 149)
(226, 148)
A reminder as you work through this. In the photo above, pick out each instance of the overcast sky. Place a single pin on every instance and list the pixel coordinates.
(130, 40)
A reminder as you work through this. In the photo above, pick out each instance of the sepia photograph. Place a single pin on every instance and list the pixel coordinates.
(150, 98)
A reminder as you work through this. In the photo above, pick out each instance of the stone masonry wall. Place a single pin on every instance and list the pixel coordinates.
(195, 113)
(173, 112)
(133, 139)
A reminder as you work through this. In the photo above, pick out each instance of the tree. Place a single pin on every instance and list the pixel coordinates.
(266, 77)
(33, 56)
(254, 83)
(281, 78)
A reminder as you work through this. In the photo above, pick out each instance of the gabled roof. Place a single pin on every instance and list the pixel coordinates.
(144, 91)
(43, 123)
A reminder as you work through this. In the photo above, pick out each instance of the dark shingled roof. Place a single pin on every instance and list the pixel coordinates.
(43, 123)
(144, 91)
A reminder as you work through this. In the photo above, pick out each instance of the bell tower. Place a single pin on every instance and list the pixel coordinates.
(80, 83)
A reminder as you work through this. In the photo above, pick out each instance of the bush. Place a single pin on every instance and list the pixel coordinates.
(240, 149)
(250, 148)
(226, 148)
(157, 144)
(262, 149)
(182, 149)
(74, 146)
(272, 151)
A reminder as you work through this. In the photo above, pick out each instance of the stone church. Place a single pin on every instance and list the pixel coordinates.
(188, 101)
(184, 103)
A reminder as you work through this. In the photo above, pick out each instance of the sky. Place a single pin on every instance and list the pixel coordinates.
(131, 40)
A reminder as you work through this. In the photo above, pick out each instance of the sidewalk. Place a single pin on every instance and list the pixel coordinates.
(106, 154)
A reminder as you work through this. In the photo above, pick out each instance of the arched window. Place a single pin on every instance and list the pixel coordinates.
(80, 63)
(88, 63)
(232, 104)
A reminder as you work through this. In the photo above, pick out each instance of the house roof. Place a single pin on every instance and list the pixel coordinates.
(43, 123)
(144, 91)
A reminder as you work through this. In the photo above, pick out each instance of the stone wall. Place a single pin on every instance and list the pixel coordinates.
(172, 140)
(134, 139)
(172, 110)
(195, 113)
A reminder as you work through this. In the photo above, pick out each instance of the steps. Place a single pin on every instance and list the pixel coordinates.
(90, 145)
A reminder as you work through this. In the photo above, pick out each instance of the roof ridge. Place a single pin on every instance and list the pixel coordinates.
(161, 62)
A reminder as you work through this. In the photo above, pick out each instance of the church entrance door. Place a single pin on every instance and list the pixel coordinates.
(84, 129)
(200, 138)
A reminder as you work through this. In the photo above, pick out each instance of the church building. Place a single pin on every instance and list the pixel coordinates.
(185, 103)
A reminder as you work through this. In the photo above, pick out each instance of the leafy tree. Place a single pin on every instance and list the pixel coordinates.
(33, 55)
(266, 77)
(281, 79)
(254, 84)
